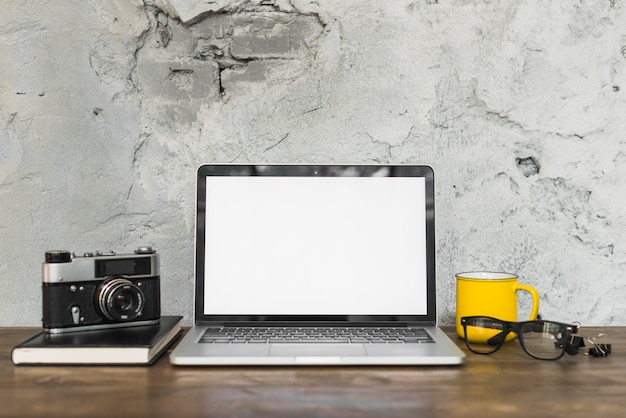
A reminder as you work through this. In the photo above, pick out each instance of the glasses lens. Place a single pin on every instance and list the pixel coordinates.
(484, 335)
(544, 340)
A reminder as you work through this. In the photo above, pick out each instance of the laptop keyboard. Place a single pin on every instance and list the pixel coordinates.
(367, 335)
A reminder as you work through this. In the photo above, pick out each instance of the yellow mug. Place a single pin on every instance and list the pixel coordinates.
(485, 293)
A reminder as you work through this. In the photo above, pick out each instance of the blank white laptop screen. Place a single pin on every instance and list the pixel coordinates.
(315, 246)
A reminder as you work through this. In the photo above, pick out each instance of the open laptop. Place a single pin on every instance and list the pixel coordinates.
(315, 264)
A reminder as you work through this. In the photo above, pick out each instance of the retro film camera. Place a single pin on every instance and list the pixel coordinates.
(100, 290)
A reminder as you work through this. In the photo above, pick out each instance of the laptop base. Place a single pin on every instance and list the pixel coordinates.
(190, 352)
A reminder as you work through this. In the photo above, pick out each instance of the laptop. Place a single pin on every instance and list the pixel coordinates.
(315, 265)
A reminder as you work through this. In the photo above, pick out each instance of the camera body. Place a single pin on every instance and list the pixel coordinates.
(100, 290)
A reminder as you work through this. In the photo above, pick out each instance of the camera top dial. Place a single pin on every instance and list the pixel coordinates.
(58, 256)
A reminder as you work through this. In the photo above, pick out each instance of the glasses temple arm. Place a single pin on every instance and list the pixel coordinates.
(498, 338)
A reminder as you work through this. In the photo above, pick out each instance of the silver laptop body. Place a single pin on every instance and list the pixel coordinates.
(290, 256)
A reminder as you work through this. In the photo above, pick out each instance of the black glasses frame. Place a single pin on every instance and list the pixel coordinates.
(507, 327)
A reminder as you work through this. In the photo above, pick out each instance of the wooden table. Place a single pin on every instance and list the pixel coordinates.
(505, 384)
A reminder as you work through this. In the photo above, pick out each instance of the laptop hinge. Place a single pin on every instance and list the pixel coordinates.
(309, 324)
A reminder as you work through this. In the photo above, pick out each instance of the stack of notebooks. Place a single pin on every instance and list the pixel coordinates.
(114, 346)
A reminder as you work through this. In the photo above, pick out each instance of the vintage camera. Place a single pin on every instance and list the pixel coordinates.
(100, 290)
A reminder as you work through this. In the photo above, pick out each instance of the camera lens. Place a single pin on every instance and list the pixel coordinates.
(123, 302)
(120, 300)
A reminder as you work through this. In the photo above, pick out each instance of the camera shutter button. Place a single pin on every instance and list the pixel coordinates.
(145, 250)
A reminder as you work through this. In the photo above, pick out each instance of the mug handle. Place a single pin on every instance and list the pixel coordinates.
(535, 295)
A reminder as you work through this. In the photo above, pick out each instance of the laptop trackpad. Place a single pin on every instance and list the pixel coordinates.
(317, 350)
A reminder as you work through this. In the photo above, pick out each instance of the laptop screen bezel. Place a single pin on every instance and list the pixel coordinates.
(313, 170)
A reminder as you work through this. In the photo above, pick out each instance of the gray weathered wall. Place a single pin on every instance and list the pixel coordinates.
(107, 108)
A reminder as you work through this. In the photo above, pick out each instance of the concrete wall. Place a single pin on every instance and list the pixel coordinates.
(108, 107)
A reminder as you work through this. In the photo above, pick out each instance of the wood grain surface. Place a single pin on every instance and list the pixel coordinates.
(505, 384)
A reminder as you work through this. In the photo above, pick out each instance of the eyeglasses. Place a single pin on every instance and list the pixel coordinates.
(543, 340)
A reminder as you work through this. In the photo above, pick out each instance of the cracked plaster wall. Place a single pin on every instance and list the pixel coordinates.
(108, 107)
